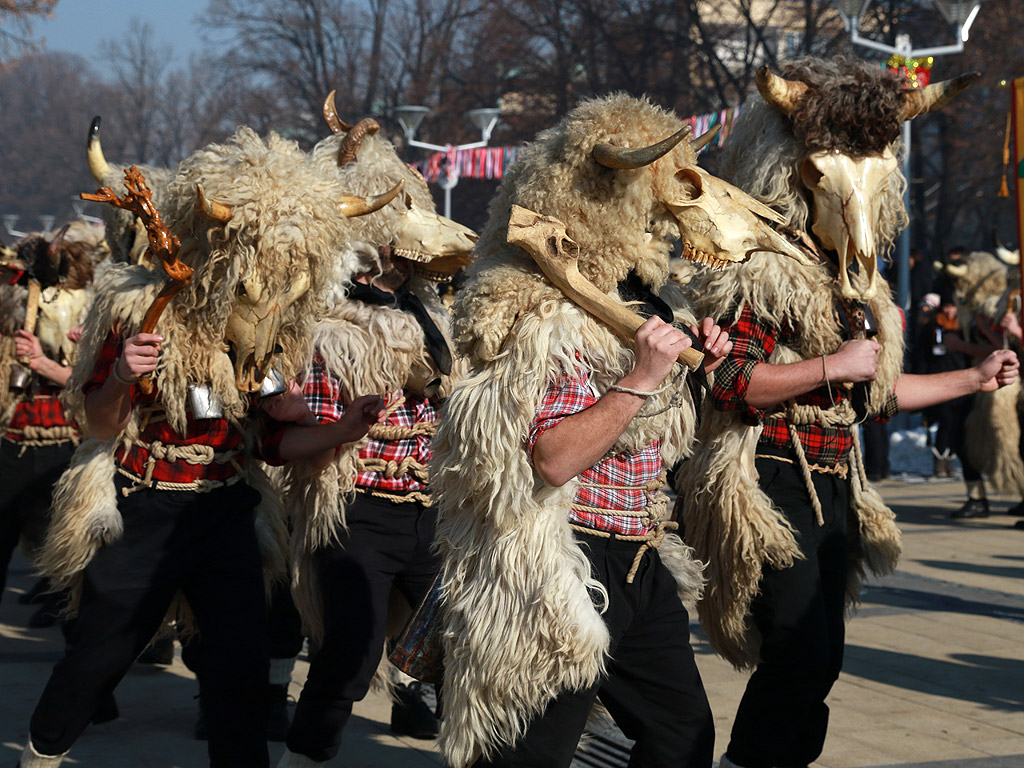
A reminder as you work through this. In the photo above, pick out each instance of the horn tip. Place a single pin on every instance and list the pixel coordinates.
(94, 127)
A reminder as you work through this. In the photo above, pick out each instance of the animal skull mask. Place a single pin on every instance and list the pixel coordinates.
(717, 222)
(255, 320)
(847, 192)
(849, 178)
(253, 326)
(720, 223)
(436, 245)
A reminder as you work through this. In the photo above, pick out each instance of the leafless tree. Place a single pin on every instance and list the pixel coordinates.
(16, 24)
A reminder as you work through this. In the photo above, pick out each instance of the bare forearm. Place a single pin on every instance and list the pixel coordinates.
(915, 392)
(108, 408)
(51, 369)
(579, 441)
(313, 443)
(771, 384)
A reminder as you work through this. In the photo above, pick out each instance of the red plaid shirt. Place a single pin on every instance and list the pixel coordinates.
(570, 395)
(326, 400)
(219, 434)
(41, 410)
(753, 343)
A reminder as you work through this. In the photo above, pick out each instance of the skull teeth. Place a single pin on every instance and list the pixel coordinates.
(702, 257)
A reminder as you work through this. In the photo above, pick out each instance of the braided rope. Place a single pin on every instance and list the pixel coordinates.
(398, 498)
(653, 513)
(392, 469)
(389, 432)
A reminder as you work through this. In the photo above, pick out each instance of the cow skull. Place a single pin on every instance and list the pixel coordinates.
(847, 195)
(718, 223)
(437, 245)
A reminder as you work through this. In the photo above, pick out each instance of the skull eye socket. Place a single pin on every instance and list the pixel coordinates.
(811, 175)
(691, 186)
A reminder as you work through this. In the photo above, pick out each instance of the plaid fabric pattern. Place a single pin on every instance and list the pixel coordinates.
(219, 434)
(753, 343)
(573, 394)
(325, 398)
(41, 410)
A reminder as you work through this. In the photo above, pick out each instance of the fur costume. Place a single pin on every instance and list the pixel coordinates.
(66, 278)
(521, 614)
(284, 224)
(818, 131)
(368, 348)
(728, 519)
(982, 285)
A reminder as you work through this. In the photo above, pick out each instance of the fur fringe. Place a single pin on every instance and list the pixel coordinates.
(370, 349)
(993, 439)
(730, 522)
(512, 566)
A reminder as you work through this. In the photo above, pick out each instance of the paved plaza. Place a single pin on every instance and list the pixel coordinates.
(934, 673)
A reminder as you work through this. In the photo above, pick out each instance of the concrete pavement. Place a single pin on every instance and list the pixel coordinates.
(934, 673)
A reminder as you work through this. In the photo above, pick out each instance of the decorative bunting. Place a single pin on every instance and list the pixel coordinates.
(491, 162)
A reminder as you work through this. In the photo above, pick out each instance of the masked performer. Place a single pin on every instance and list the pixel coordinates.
(772, 498)
(163, 500)
(50, 294)
(389, 334)
(563, 580)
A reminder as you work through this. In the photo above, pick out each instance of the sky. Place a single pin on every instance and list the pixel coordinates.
(79, 26)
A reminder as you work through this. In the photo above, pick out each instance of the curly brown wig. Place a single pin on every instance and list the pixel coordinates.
(853, 106)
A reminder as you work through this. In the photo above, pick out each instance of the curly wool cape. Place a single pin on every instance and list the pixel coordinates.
(85, 513)
(522, 615)
(729, 521)
(370, 349)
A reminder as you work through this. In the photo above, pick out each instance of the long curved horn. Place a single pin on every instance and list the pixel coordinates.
(623, 159)
(94, 152)
(350, 144)
(211, 209)
(785, 95)
(335, 123)
(1008, 257)
(352, 205)
(956, 270)
(917, 101)
(705, 138)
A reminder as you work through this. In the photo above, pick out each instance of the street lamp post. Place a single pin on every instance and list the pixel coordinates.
(961, 15)
(410, 117)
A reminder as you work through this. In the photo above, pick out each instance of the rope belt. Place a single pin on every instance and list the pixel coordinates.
(651, 515)
(199, 486)
(390, 432)
(840, 414)
(839, 470)
(196, 454)
(34, 436)
(408, 466)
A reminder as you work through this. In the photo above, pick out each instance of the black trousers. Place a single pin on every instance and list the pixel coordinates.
(652, 689)
(782, 717)
(204, 545)
(386, 544)
(26, 485)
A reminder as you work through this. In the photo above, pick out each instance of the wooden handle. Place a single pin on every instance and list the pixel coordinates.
(31, 313)
(545, 239)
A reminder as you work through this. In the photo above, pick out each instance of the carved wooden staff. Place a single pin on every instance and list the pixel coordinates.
(545, 239)
(162, 244)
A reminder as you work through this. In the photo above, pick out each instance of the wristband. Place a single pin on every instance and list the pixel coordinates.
(117, 376)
